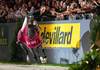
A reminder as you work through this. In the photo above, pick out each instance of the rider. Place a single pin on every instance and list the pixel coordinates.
(31, 41)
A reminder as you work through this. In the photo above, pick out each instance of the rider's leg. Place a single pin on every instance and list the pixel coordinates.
(32, 55)
(24, 50)
(36, 55)
(29, 54)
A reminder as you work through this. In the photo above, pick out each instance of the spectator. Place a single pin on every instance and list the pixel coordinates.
(15, 8)
(18, 13)
(19, 3)
(97, 8)
(11, 15)
(23, 10)
(3, 14)
(30, 8)
(53, 12)
(56, 9)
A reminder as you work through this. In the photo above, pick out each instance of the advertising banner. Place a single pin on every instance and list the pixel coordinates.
(64, 35)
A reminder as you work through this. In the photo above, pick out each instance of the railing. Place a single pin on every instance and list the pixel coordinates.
(44, 18)
(7, 31)
(6, 37)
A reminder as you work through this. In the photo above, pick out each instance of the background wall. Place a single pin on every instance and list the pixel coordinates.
(71, 55)
(55, 55)
(6, 36)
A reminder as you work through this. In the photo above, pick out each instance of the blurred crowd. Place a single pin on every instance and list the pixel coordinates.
(11, 10)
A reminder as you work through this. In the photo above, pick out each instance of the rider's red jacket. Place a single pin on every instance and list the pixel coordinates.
(30, 42)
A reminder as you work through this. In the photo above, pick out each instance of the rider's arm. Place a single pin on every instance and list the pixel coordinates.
(24, 24)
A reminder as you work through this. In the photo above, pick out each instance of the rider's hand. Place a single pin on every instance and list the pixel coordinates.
(17, 42)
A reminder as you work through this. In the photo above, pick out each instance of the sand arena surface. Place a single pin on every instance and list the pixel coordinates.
(30, 67)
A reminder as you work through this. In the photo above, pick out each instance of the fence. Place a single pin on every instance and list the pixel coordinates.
(6, 36)
(55, 55)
